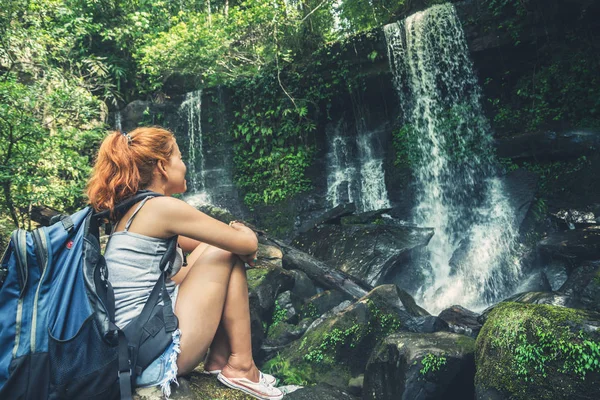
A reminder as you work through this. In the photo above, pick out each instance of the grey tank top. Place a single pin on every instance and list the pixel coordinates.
(133, 261)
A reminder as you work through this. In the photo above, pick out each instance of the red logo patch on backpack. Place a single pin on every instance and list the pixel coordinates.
(69, 244)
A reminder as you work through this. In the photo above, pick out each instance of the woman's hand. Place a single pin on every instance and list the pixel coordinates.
(251, 258)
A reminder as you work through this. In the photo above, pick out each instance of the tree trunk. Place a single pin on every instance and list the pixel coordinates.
(319, 271)
(9, 203)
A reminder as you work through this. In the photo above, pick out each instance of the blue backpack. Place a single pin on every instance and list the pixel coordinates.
(58, 339)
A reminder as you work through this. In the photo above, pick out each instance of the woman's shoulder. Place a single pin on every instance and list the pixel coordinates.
(168, 206)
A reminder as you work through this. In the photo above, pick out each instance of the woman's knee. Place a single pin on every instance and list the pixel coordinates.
(220, 255)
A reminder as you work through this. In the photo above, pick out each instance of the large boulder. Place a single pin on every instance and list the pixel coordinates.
(460, 320)
(411, 366)
(366, 252)
(336, 347)
(332, 216)
(264, 284)
(574, 245)
(538, 351)
(521, 187)
(584, 285)
(304, 288)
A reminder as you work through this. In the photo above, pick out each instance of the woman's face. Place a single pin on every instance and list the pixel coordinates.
(176, 172)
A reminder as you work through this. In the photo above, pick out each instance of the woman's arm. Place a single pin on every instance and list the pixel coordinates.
(179, 218)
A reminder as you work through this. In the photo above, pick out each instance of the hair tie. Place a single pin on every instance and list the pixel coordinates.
(129, 139)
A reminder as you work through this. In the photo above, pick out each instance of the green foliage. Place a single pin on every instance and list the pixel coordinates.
(46, 132)
(275, 121)
(554, 173)
(404, 141)
(336, 341)
(539, 209)
(361, 15)
(332, 344)
(561, 89)
(279, 315)
(385, 323)
(512, 14)
(309, 310)
(432, 363)
(289, 375)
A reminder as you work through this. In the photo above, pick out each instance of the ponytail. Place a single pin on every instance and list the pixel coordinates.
(125, 164)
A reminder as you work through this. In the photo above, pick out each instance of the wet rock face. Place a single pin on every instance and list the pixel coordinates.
(322, 302)
(572, 219)
(303, 288)
(264, 284)
(537, 351)
(521, 186)
(421, 366)
(460, 320)
(367, 252)
(584, 286)
(574, 245)
(548, 146)
(321, 392)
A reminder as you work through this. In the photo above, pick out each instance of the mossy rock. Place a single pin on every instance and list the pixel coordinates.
(410, 365)
(538, 351)
(196, 386)
(339, 347)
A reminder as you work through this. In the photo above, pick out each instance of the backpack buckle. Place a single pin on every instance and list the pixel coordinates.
(127, 371)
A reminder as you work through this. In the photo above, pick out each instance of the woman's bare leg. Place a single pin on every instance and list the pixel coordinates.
(219, 351)
(236, 324)
(214, 293)
(200, 302)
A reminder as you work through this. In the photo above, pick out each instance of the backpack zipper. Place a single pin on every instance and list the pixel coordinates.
(20, 238)
(41, 250)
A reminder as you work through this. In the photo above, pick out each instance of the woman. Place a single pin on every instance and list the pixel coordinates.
(210, 294)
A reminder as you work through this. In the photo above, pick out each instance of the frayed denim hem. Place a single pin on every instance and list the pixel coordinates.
(171, 366)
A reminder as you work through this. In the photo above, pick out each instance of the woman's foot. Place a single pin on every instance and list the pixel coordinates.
(259, 389)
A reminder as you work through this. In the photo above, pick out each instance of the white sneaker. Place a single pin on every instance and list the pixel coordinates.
(259, 390)
(269, 379)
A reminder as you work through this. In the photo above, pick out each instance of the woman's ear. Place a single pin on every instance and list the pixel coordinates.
(160, 166)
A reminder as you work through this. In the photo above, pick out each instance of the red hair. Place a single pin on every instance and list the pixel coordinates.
(125, 164)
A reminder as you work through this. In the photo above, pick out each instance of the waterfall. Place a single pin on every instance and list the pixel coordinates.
(469, 259)
(118, 126)
(373, 192)
(341, 176)
(192, 109)
(355, 169)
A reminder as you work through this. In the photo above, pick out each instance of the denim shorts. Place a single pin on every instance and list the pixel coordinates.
(163, 370)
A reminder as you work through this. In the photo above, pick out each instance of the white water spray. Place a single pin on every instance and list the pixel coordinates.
(354, 170)
(118, 125)
(458, 191)
(192, 108)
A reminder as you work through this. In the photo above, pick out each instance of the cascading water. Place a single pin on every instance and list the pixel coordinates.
(192, 109)
(373, 192)
(341, 176)
(469, 259)
(118, 126)
(355, 171)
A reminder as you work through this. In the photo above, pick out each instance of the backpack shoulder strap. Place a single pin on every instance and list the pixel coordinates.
(123, 206)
